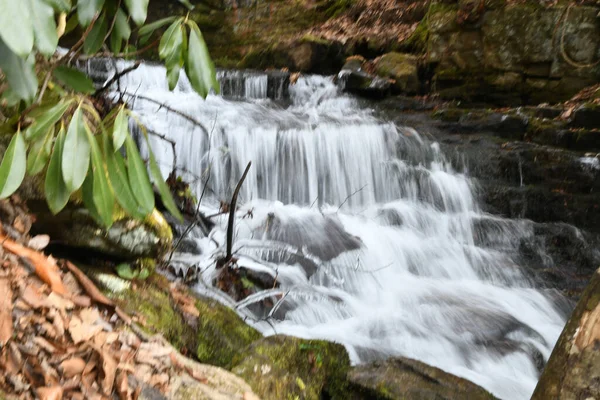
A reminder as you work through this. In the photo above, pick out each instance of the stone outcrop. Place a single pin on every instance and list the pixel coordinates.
(573, 370)
(402, 378)
(402, 69)
(512, 54)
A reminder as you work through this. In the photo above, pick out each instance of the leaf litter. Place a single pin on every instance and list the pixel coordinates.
(61, 338)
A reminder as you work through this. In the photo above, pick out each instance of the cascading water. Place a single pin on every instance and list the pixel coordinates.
(374, 240)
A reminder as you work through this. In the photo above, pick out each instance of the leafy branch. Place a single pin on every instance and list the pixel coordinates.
(59, 130)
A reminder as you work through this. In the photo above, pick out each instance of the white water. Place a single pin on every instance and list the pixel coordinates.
(408, 265)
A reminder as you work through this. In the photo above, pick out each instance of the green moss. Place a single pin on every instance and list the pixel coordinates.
(417, 42)
(151, 301)
(222, 335)
(315, 39)
(334, 8)
(449, 114)
(262, 58)
(281, 367)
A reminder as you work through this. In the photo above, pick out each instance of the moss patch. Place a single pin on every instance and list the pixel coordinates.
(151, 302)
(403, 378)
(283, 367)
(222, 335)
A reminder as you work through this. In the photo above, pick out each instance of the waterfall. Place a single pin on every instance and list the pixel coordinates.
(374, 240)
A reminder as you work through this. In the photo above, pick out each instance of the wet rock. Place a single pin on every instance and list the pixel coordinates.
(316, 55)
(573, 370)
(560, 256)
(402, 69)
(509, 126)
(282, 367)
(403, 378)
(363, 84)
(322, 236)
(587, 116)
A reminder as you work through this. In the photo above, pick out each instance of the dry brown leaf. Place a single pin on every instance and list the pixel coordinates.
(159, 380)
(50, 393)
(57, 322)
(82, 301)
(45, 267)
(59, 302)
(109, 366)
(21, 305)
(89, 286)
(51, 377)
(81, 331)
(73, 366)
(32, 297)
(6, 308)
(44, 344)
(197, 375)
(185, 302)
(123, 386)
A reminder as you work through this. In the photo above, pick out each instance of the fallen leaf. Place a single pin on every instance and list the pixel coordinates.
(73, 366)
(89, 286)
(19, 225)
(56, 301)
(50, 393)
(82, 301)
(45, 267)
(51, 377)
(32, 297)
(6, 308)
(123, 386)
(81, 331)
(44, 344)
(197, 375)
(39, 242)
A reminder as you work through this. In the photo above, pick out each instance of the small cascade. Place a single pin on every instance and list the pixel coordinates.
(273, 85)
(362, 230)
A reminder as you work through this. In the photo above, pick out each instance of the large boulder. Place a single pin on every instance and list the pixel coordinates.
(402, 378)
(573, 370)
(402, 69)
(283, 367)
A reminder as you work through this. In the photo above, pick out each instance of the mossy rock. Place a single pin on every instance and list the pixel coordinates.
(221, 335)
(283, 367)
(402, 68)
(573, 370)
(404, 379)
(151, 303)
(126, 239)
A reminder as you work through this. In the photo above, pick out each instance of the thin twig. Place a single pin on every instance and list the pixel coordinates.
(171, 109)
(117, 76)
(350, 195)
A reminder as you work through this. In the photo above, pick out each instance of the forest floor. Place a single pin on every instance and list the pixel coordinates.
(61, 337)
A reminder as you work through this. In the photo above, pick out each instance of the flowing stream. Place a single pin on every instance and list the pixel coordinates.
(374, 240)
